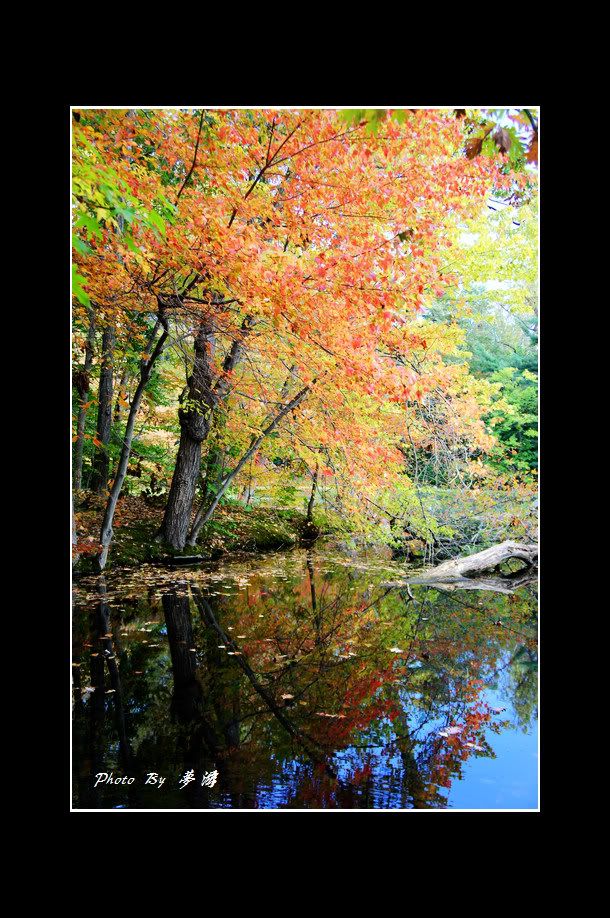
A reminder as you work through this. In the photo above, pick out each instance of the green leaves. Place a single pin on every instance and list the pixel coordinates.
(371, 116)
(81, 247)
(353, 116)
(90, 224)
(77, 289)
(156, 222)
(130, 243)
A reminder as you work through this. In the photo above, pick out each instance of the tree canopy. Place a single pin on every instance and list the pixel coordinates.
(330, 309)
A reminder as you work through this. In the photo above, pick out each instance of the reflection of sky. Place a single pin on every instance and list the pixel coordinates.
(507, 781)
(510, 781)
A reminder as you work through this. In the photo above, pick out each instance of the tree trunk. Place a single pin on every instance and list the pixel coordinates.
(194, 428)
(119, 478)
(459, 570)
(82, 386)
(214, 464)
(101, 457)
(204, 515)
(121, 394)
(309, 517)
(75, 554)
(309, 532)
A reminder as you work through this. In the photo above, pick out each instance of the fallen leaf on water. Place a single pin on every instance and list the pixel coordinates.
(450, 731)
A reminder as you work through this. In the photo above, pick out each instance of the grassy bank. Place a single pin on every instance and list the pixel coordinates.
(234, 528)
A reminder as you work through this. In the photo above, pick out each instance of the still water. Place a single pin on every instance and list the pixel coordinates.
(304, 680)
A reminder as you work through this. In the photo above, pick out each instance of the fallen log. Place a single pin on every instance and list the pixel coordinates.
(505, 583)
(460, 569)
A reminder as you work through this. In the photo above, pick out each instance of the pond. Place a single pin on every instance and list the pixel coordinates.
(303, 680)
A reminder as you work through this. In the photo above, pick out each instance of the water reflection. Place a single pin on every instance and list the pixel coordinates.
(304, 680)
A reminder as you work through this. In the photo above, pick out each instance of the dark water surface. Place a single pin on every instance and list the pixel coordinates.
(302, 680)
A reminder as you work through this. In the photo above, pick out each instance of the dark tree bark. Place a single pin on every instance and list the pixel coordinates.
(101, 457)
(81, 382)
(195, 419)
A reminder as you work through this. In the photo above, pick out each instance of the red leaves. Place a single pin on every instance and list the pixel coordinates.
(532, 153)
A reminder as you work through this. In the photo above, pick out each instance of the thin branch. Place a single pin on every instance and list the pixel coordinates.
(194, 159)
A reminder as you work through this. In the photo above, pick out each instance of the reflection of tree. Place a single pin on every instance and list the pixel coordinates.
(522, 685)
(187, 696)
(267, 697)
(312, 589)
(102, 656)
(314, 684)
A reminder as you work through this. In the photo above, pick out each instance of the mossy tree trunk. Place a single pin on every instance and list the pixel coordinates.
(195, 418)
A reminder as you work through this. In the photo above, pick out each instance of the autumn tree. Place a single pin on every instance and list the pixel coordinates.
(329, 236)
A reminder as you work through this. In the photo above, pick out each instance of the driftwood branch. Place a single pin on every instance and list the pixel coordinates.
(463, 573)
